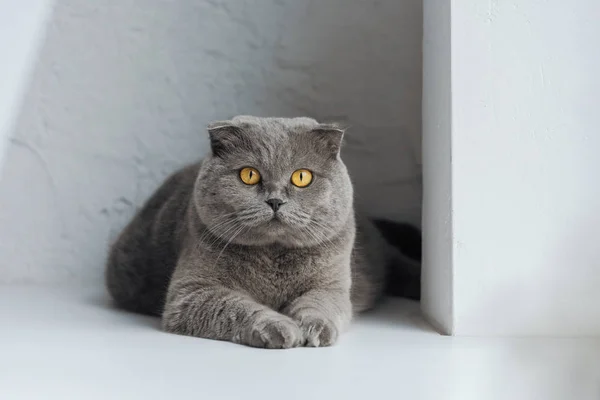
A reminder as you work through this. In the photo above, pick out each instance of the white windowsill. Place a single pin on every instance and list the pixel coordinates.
(59, 343)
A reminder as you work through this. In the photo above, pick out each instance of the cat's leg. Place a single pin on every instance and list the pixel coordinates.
(323, 314)
(212, 311)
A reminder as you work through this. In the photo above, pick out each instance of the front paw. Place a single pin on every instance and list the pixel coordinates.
(318, 331)
(275, 332)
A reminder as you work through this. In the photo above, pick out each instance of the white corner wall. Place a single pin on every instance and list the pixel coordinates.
(523, 165)
(123, 90)
(437, 272)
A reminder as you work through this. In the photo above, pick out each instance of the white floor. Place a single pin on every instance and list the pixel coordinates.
(60, 344)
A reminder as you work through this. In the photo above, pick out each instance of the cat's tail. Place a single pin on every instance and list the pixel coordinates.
(404, 260)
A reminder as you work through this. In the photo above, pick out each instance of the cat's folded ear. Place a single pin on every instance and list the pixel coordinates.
(330, 137)
(224, 135)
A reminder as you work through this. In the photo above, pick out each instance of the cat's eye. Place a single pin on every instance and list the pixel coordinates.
(249, 175)
(302, 178)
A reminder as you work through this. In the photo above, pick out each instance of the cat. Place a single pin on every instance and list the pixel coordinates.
(258, 243)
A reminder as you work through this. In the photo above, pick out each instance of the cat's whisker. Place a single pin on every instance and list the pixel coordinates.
(323, 237)
(319, 224)
(312, 236)
(328, 230)
(222, 235)
(228, 242)
(211, 231)
(319, 241)
(225, 222)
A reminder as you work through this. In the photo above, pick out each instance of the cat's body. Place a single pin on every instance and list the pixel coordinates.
(217, 259)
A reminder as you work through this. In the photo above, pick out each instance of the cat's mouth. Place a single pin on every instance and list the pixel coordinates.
(276, 222)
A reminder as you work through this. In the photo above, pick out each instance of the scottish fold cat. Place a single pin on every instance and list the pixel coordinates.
(259, 243)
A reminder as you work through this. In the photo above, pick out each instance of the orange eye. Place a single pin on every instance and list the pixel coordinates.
(250, 176)
(302, 178)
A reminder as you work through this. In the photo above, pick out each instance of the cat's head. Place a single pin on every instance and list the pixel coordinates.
(274, 180)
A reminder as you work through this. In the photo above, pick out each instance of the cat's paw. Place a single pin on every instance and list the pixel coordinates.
(275, 332)
(318, 331)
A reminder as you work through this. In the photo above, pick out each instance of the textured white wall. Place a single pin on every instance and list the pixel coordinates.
(124, 89)
(21, 30)
(525, 162)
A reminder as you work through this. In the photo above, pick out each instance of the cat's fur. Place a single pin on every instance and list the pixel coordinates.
(210, 255)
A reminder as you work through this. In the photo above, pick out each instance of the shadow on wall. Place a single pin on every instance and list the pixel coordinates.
(123, 90)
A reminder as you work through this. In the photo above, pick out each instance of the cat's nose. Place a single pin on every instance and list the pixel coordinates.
(275, 203)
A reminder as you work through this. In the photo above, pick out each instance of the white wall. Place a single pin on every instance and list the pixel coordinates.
(124, 89)
(21, 30)
(526, 151)
(436, 278)
(525, 148)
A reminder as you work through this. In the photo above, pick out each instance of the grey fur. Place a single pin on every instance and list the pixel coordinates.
(207, 253)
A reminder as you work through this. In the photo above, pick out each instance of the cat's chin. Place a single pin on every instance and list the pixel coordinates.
(275, 228)
(272, 231)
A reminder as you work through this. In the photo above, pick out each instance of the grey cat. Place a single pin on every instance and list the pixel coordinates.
(257, 244)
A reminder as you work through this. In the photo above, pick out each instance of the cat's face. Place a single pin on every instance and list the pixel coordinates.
(274, 181)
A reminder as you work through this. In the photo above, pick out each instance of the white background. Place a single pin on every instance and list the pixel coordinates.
(123, 90)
